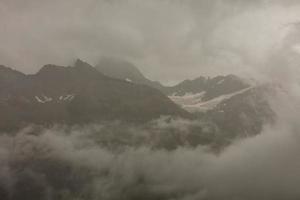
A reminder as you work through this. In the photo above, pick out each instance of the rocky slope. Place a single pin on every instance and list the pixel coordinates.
(235, 106)
(76, 94)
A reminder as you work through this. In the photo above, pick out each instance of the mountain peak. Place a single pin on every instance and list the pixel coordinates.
(81, 63)
(124, 70)
(8, 76)
(118, 68)
(4, 69)
(50, 69)
(84, 67)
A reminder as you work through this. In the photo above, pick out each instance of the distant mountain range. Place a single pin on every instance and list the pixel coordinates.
(116, 90)
(198, 90)
(237, 107)
(77, 94)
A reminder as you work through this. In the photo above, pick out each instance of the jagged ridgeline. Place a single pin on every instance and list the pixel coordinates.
(109, 116)
(115, 89)
(237, 106)
(77, 94)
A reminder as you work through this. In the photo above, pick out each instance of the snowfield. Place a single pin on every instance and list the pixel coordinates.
(193, 102)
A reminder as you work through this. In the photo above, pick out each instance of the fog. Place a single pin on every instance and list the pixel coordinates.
(83, 163)
(168, 40)
(119, 161)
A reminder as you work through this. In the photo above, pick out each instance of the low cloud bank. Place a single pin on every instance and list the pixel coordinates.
(82, 163)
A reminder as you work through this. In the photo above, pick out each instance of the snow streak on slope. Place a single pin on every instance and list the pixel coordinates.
(194, 103)
(188, 98)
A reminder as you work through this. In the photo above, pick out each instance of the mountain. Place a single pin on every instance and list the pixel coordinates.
(77, 94)
(8, 79)
(207, 88)
(198, 90)
(124, 70)
(83, 94)
(241, 114)
(236, 107)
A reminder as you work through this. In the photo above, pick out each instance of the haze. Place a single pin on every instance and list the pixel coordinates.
(169, 40)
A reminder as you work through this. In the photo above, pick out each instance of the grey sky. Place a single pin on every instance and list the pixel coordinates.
(169, 40)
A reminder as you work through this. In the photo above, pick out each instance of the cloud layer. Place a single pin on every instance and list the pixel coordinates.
(64, 163)
(172, 39)
(168, 40)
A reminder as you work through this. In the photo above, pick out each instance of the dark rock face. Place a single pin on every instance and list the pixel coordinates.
(76, 94)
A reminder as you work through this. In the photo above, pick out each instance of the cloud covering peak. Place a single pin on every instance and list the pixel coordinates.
(168, 40)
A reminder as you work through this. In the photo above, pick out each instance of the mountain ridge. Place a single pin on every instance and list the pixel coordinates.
(124, 70)
(234, 105)
(80, 94)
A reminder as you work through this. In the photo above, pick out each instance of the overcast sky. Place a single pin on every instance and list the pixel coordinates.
(169, 40)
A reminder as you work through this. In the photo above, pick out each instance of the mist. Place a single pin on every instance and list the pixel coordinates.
(170, 159)
(168, 40)
(120, 161)
(64, 162)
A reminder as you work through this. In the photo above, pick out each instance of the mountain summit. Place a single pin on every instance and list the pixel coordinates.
(124, 70)
(77, 94)
(231, 103)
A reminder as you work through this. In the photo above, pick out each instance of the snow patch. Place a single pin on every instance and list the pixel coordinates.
(197, 105)
(188, 98)
(220, 81)
(39, 100)
(43, 99)
(68, 97)
(46, 99)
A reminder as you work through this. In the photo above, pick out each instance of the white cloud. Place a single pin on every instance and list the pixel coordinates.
(168, 40)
